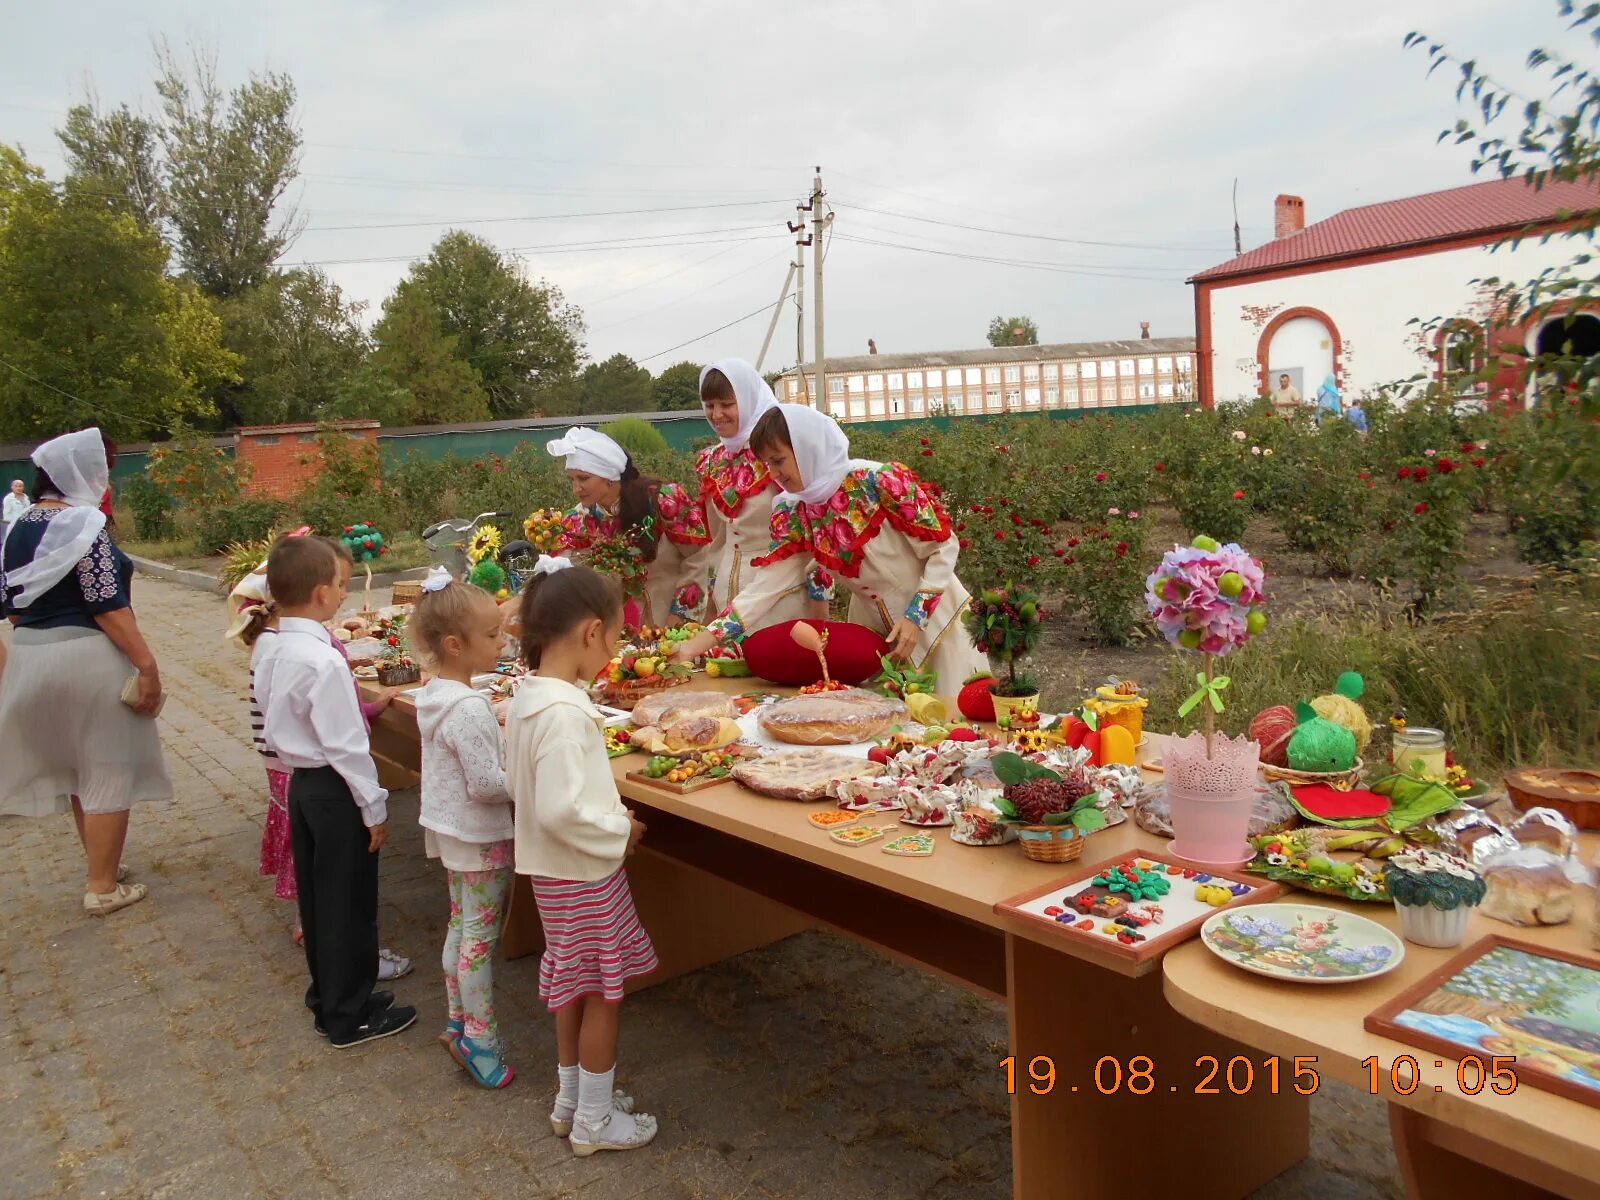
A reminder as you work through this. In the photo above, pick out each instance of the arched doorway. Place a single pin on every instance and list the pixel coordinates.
(1569, 337)
(1302, 343)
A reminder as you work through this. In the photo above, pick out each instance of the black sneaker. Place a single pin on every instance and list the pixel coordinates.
(377, 1003)
(379, 1025)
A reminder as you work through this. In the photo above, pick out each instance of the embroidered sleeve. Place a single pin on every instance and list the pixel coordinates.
(819, 584)
(683, 518)
(922, 606)
(98, 578)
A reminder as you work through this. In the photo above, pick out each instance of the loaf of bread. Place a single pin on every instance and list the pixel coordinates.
(801, 774)
(1537, 894)
(670, 708)
(832, 718)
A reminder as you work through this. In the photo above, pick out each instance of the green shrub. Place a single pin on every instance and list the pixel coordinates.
(637, 436)
(242, 521)
(154, 509)
(1105, 573)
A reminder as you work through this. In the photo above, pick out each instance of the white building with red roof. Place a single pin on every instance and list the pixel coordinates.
(1339, 297)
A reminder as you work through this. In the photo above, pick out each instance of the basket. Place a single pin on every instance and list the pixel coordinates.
(395, 676)
(1051, 843)
(407, 591)
(1339, 781)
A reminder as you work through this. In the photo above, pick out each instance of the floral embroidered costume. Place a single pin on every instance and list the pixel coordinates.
(879, 531)
(736, 494)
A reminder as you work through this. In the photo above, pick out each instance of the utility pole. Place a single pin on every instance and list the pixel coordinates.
(777, 311)
(802, 239)
(819, 224)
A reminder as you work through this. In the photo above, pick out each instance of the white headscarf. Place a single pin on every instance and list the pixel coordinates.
(76, 462)
(590, 451)
(821, 452)
(753, 393)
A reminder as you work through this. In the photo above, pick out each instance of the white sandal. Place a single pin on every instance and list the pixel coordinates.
(603, 1137)
(100, 904)
(619, 1099)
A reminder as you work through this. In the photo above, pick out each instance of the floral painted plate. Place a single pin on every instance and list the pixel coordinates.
(1303, 943)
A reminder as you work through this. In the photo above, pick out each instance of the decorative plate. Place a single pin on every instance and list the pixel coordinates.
(910, 845)
(1303, 943)
(856, 835)
(833, 818)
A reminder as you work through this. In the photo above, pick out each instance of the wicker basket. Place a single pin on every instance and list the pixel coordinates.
(1339, 781)
(407, 591)
(398, 676)
(1051, 843)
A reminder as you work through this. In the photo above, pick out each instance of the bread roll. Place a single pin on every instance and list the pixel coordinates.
(1538, 894)
(669, 708)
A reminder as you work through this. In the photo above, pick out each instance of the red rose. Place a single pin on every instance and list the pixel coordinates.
(1420, 474)
(1161, 466)
(1072, 541)
(1122, 548)
(926, 442)
(1068, 561)
(1468, 447)
(1061, 553)
(1477, 462)
(1016, 519)
(1004, 503)
(1421, 508)
(1099, 476)
(393, 640)
(1446, 466)
(963, 543)
(961, 526)
(1366, 475)
(1239, 495)
(927, 454)
(999, 535)
(1404, 473)
(1004, 449)
(1033, 560)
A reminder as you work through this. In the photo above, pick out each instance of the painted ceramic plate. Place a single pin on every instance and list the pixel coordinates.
(856, 835)
(910, 845)
(833, 818)
(1303, 943)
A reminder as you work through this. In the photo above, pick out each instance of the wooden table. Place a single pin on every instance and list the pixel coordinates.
(1450, 1145)
(723, 871)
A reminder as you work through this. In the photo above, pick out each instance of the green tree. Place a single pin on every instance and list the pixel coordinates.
(678, 387)
(416, 355)
(1003, 331)
(93, 329)
(299, 340)
(229, 160)
(369, 393)
(522, 339)
(115, 157)
(618, 385)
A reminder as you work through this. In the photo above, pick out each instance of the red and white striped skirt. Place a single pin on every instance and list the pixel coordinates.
(593, 942)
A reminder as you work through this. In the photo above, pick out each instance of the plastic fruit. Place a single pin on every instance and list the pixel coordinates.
(1092, 742)
(1116, 746)
(975, 700)
(1075, 730)
(1255, 622)
(713, 670)
(879, 754)
(645, 668)
(962, 734)
(1230, 584)
(1189, 639)
(1205, 543)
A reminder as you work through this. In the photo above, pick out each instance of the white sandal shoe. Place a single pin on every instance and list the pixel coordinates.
(606, 1137)
(100, 904)
(619, 1099)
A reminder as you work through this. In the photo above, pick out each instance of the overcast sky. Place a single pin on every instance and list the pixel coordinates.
(1094, 122)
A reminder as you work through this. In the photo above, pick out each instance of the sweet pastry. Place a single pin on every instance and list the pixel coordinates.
(669, 708)
(800, 774)
(1537, 894)
(1547, 829)
(833, 718)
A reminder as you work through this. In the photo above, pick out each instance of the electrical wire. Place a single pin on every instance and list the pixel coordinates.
(1162, 272)
(1038, 237)
(618, 212)
(99, 408)
(704, 336)
(682, 296)
(546, 248)
(1015, 262)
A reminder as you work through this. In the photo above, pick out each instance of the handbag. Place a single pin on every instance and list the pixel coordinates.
(130, 697)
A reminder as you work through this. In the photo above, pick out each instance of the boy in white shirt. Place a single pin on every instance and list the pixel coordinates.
(337, 810)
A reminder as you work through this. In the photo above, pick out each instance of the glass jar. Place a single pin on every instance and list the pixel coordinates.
(1419, 752)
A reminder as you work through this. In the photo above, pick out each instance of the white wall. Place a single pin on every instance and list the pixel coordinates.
(1371, 305)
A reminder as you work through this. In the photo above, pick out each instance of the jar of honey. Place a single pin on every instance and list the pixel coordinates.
(1419, 752)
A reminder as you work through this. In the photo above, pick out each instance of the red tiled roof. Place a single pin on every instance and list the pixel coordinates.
(1500, 206)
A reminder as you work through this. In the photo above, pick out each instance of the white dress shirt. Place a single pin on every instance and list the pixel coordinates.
(13, 507)
(312, 717)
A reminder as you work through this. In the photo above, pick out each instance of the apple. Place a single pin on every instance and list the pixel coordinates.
(1205, 543)
(1231, 584)
(1255, 622)
(880, 755)
(1190, 639)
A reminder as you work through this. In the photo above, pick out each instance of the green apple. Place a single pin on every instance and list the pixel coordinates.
(1230, 584)
(1204, 543)
(1255, 622)
(1190, 638)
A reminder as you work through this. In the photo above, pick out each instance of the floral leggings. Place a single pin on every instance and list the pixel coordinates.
(478, 901)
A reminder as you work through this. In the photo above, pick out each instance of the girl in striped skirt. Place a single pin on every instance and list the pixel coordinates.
(572, 834)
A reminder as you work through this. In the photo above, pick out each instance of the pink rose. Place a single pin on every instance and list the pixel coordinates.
(744, 476)
(840, 501)
(893, 483)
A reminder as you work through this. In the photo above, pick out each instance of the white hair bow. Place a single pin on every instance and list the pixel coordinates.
(438, 579)
(549, 566)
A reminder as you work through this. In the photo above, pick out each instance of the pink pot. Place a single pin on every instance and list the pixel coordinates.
(1211, 827)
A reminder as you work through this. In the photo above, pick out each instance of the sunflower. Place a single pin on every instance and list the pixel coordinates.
(485, 544)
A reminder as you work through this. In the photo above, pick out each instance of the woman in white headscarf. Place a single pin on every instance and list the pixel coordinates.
(737, 492)
(68, 740)
(875, 526)
(650, 535)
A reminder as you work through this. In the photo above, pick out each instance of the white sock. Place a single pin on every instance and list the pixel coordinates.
(594, 1096)
(567, 1095)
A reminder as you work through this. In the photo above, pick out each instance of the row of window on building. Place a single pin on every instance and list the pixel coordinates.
(1011, 387)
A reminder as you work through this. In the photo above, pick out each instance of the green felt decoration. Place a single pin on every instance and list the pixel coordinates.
(1319, 744)
(1351, 685)
(488, 575)
(1303, 712)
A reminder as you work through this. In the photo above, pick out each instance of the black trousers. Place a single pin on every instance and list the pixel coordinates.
(338, 880)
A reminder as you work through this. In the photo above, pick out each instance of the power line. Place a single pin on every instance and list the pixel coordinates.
(566, 162)
(688, 266)
(1013, 262)
(1165, 272)
(617, 212)
(544, 248)
(704, 336)
(1038, 237)
(99, 408)
(682, 296)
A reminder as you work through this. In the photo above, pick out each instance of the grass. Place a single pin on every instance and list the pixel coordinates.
(1515, 682)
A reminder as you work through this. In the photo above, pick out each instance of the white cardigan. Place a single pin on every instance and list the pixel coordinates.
(463, 777)
(570, 822)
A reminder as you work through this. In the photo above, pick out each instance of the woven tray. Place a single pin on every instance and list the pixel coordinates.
(1339, 781)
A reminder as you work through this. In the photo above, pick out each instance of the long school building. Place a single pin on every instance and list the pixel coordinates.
(1010, 379)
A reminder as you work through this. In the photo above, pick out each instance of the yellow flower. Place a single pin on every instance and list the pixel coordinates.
(485, 544)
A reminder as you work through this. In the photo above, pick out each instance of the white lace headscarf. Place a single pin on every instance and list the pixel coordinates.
(753, 393)
(821, 452)
(76, 463)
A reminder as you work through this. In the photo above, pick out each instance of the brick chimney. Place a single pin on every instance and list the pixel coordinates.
(1144, 331)
(872, 346)
(1288, 216)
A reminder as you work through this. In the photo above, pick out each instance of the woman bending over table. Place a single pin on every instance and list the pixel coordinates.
(649, 535)
(874, 526)
(737, 491)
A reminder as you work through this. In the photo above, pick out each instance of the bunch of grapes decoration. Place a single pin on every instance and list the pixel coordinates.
(1207, 597)
(365, 544)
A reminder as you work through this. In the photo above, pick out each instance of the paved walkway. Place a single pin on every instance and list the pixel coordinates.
(165, 1052)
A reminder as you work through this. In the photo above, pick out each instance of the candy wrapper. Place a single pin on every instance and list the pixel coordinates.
(1124, 783)
(1271, 812)
(1475, 837)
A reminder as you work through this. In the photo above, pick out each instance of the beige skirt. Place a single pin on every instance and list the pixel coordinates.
(65, 732)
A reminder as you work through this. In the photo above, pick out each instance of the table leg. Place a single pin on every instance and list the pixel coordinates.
(1087, 1140)
(1439, 1162)
(693, 918)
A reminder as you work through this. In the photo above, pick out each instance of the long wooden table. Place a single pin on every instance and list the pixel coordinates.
(723, 871)
(1450, 1146)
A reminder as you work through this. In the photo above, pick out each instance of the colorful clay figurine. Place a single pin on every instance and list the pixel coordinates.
(1214, 894)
